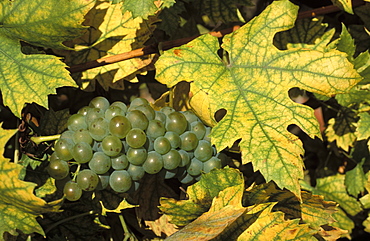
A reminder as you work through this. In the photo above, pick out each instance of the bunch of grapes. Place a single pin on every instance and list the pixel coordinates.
(114, 146)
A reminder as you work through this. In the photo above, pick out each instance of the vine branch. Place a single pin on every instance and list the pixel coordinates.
(152, 49)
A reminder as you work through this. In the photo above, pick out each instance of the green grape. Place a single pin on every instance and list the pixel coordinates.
(170, 173)
(72, 191)
(171, 159)
(185, 158)
(160, 116)
(186, 178)
(119, 126)
(99, 102)
(121, 105)
(136, 156)
(147, 111)
(120, 181)
(195, 167)
(204, 151)
(137, 119)
(63, 149)
(136, 138)
(213, 162)
(82, 136)
(84, 110)
(53, 157)
(136, 172)
(67, 135)
(119, 162)
(190, 116)
(155, 129)
(153, 163)
(111, 145)
(58, 169)
(76, 122)
(189, 141)
(149, 144)
(176, 122)
(92, 114)
(87, 180)
(198, 128)
(103, 181)
(174, 139)
(138, 101)
(113, 111)
(98, 128)
(100, 163)
(162, 145)
(82, 152)
(207, 134)
(167, 110)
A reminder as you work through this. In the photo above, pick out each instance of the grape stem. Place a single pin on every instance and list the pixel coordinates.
(128, 234)
(39, 139)
(68, 219)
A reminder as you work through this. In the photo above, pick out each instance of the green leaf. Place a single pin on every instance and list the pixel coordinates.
(201, 195)
(26, 78)
(363, 126)
(343, 222)
(19, 206)
(144, 8)
(54, 122)
(123, 205)
(355, 180)
(333, 189)
(254, 85)
(41, 23)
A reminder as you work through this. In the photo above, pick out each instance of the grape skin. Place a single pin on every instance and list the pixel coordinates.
(153, 163)
(72, 191)
(120, 181)
(87, 180)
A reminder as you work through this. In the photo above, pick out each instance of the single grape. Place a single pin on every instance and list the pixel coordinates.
(119, 162)
(58, 169)
(82, 152)
(155, 129)
(185, 158)
(212, 163)
(103, 181)
(72, 191)
(92, 114)
(136, 138)
(119, 126)
(100, 163)
(84, 110)
(160, 116)
(53, 157)
(167, 110)
(176, 122)
(207, 134)
(190, 116)
(87, 180)
(111, 145)
(120, 181)
(174, 139)
(171, 159)
(186, 178)
(98, 128)
(153, 163)
(67, 135)
(137, 119)
(195, 167)
(162, 145)
(136, 156)
(136, 172)
(76, 122)
(82, 136)
(138, 101)
(204, 151)
(113, 111)
(121, 105)
(63, 149)
(147, 111)
(198, 128)
(99, 102)
(189, 141)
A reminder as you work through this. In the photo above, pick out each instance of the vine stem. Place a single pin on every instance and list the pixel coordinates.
(68, 219)
(162, 46)
(16, 146)
(39, 139)
(127, 232)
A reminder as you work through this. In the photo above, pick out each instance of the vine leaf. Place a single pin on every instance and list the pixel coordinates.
(355, 180)
(346, 5)
(144, 8)
(41, 23)
(18, 204)
(254, 82)
(334, 189)
(27, 78)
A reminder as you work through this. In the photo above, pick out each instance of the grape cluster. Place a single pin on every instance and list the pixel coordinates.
(114, 146)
